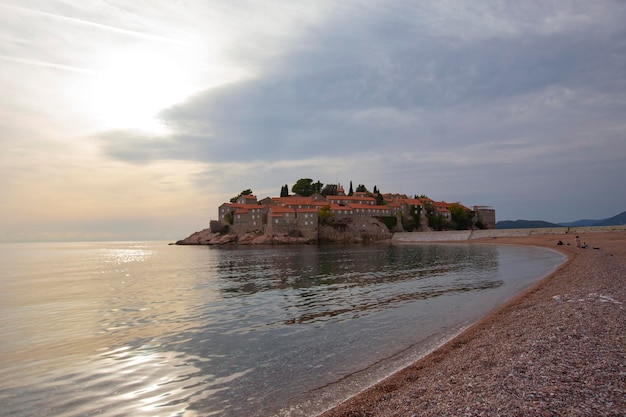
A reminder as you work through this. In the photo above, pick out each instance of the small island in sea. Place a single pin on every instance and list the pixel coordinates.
(317, 213)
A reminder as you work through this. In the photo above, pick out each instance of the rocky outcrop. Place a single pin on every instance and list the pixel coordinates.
(349, 230)
(342, 230)
(206, 237)
(289, 240)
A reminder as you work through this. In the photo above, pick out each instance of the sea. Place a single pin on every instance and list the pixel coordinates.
(151, 329)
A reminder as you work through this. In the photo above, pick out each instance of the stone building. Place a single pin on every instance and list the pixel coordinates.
(485, 215)
(298, 216)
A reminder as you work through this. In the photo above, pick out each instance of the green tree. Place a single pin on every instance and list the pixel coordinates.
(284, 191)
(351, 192)
(460, 217)
(330, 189)
(437, 222)
(305, 187)
(390, 222)
(408, 223)
(413, 220)
(244, 192)
(361, 188)
(325, 215)
(317, 187)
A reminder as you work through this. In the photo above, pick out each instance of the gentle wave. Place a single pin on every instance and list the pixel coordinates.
(114, 329)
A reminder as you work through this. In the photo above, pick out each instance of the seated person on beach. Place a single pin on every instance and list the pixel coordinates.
(585, 246)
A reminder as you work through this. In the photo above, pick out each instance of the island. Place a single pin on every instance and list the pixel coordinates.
(315, 213)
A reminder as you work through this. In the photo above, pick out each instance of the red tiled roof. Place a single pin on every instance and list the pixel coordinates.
(241, 206)
(412, 201)
(333, 198)
(294, 201)
(369, 207)
(281, 209)
(335, 207)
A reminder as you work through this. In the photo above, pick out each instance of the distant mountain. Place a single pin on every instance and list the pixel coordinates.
(618, 220)
(524, 224)
(581, 223)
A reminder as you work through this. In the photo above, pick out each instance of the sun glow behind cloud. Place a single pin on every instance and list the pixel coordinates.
(135, 86)
(116, 77)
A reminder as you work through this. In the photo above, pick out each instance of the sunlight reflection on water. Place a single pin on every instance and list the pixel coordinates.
(122, 256)
(145, 329)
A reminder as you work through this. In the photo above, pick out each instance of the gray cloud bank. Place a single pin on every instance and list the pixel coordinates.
(365, 79)
(536, 87)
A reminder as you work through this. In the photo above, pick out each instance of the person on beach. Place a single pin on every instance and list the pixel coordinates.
(577, 242)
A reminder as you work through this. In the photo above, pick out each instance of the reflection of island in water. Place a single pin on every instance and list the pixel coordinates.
(333, 282)
(146, 329)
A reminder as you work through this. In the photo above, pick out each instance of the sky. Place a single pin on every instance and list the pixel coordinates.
(124, 120)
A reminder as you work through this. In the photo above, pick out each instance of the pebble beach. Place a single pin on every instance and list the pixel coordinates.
(558, 349)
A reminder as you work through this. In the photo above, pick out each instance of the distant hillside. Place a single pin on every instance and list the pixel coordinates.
(524, 224)
(581, 223)
(618, 220)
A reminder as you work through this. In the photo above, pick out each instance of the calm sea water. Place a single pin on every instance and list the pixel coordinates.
(147, 329)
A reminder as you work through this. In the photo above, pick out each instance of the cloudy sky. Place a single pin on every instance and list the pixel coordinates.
(136, 119)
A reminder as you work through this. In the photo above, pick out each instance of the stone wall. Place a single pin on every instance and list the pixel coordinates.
(462, 235)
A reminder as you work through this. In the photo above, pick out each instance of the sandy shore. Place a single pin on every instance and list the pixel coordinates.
(556, 350)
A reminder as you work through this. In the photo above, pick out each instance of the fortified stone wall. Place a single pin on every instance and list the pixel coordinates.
(486, 215)
(461, 235)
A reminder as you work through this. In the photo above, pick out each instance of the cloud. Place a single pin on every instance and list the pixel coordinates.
(367, 82)
(92, 24)
(485, 102)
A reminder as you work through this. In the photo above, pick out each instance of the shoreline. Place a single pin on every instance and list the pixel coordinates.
(557, 348)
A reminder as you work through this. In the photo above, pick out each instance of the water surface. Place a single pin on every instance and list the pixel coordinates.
(147, 329)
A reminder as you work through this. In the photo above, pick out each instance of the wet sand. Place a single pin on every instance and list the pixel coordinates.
(558, 349)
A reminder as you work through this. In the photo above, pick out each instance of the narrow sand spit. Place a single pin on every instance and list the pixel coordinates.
(556, 350)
